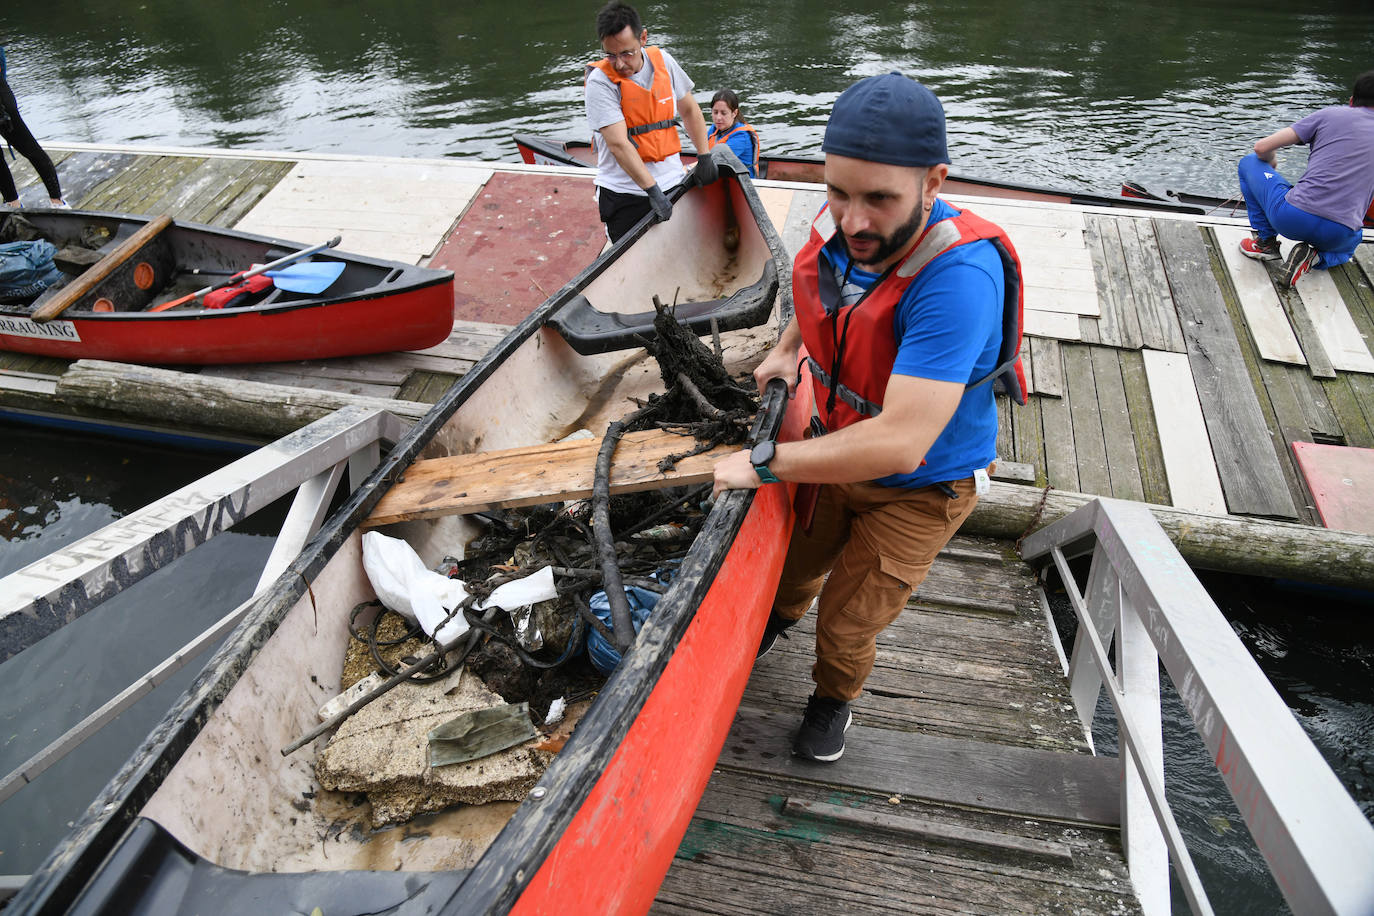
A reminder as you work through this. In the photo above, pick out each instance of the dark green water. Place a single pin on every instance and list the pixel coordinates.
(1058, 92)
(1063, 92)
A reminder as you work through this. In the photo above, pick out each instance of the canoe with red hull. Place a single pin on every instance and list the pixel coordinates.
(209, 817)
(537, 150)
(374, 306)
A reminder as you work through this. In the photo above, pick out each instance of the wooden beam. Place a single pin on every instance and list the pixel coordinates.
(1226, 543)
(83, 284)
(537, 474)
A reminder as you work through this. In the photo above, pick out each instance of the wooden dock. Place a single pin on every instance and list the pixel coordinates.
(1164, 367)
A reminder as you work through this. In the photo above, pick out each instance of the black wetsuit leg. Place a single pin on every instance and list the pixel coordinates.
(16, 133)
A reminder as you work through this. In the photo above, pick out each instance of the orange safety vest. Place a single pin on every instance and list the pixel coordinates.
(650, 114)
(864, 329)
(739, 126)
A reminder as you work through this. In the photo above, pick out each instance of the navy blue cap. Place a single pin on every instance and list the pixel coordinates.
(889, 118)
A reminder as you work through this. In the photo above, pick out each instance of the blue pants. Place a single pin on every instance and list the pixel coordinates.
(1266, 202)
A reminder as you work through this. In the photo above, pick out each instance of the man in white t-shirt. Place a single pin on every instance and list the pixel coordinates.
(634, 96)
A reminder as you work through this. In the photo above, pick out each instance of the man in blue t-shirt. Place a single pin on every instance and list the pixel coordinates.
(1325, 211)
(900, 303)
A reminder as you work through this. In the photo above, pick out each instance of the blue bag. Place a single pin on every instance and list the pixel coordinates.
(602, 654)
(26, 269)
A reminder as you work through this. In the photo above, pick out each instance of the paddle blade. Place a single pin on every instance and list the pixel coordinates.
(307, 277)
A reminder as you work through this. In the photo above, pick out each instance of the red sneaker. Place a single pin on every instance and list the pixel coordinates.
(1260, 249)
(1301, 259)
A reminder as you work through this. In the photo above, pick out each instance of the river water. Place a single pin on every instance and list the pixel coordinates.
(1068, 93)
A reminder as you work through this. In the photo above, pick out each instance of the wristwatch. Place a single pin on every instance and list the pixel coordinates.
(759, 456)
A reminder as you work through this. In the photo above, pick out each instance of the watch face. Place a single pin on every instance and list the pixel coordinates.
(762, 453)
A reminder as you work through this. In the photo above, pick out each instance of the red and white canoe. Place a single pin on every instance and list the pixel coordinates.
(374, 306)
(209, 817)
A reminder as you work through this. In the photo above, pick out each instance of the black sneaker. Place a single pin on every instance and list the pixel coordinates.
(777, 626)
(821, 736)
(1300, 260)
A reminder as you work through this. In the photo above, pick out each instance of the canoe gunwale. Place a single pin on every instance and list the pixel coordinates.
(62, 876)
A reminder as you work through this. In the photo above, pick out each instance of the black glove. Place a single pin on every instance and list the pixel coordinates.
(662, 206)
(706, 171)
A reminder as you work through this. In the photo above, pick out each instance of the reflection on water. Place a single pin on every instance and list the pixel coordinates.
(54, 489)
(1058, 92)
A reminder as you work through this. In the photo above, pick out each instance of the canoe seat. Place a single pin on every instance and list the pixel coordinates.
(588, 330)
(151, 871)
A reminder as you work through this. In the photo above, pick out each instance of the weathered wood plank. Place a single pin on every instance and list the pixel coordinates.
(1158, 320)
(82, 172)
(108, 194)
(1066, 787)
(1129, 317)
(1112, 282)
(243, 195)
(1028, 439)
(536, 474)
(1154, 481)
(1318, 361)
(1049, 369)
(1187, 452)
(1005, 446)
(1039, 323)
(1117, 432)
(1339, 336)
(800, 215)
(1356, 426)
(1090, 447)
(927, 831)
(1264, 315)
(1061, 458)
(1245, 458)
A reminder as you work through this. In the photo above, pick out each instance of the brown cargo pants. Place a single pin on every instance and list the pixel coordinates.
(876, 544)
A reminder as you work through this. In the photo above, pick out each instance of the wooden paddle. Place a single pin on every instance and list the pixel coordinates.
(83, 284)
(240, 277)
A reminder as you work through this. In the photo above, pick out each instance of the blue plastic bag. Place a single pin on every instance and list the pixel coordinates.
(604, 655)
(26, 269)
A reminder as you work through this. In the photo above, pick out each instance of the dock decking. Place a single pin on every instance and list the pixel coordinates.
(1164, 367)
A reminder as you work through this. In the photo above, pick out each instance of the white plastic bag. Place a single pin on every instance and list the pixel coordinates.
(404, 585)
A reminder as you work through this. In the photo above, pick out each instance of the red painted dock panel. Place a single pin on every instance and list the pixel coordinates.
(1341, 479)
(523, 237)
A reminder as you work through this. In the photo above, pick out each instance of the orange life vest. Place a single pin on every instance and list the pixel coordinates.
(739, 126)
(650, 114)
(847, 391)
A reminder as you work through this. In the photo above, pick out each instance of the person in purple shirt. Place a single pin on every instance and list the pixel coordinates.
(1325, 211)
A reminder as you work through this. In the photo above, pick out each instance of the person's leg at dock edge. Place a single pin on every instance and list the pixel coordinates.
(876, 544)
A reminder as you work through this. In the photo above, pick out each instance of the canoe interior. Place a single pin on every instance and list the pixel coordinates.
(270, 813)
(196, 257)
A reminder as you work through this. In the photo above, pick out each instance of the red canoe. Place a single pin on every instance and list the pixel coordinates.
(374, 306)
(209, 816)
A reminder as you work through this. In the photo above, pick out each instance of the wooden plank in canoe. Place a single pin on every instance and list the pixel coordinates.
(537, 474)
(1264, 313)
(1341, 480)
(1246, 459)
(1183, 442)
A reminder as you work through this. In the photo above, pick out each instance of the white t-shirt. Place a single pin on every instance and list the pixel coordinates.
(603, 108)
